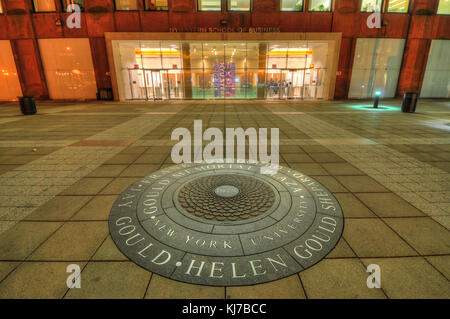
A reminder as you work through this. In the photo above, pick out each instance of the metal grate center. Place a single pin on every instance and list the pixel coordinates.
(229, 197)
(226, 191)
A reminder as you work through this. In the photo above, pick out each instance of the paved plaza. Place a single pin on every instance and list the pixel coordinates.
(62, 170)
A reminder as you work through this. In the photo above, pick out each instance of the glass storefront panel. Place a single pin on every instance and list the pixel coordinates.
(150, 53)
(376, 66)
(436, 81)
(9, 80)
(154, 70)
(68, 68)
(150, 70)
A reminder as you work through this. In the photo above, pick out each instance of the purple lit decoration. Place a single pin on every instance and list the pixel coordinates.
(230, 84)
(224, 76)
(218, 79)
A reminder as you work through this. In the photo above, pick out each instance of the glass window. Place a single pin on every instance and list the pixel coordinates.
(66, 3)
(156, 5)
(126, 5)
(68, 68)
(291, 5)
(44, 6)
(376, 66)
(209, 5)
(444, 7)
(436, 81)
(371, 5)
(151, 70)
(9, 80)
(238, 5)
(399, 6)
(319, 5)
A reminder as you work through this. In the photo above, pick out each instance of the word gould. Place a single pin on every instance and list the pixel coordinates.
(217, 268)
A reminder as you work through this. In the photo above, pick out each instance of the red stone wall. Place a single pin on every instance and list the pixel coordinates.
(23, 27)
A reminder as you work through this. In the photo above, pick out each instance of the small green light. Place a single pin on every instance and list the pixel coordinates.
(377, 93)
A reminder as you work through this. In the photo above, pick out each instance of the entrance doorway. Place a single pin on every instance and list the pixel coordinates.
(286, 84)
(221, 69)
(294, 83)
(147, 84)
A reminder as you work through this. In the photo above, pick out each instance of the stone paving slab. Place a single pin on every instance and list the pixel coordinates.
(388, 170)
(72, 162)
(375, 160)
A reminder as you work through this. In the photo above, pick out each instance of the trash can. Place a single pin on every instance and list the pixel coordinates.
(409, 102)
(105, 94)
(27, 105)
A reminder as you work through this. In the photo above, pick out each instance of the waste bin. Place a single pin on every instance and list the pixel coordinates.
(409, 102)
(105, 94)
(27, 105)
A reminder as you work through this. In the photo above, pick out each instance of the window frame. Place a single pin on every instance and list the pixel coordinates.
(150, 10)
(231, 10)
(387, 8)
(331, 7)
(34, 8)
(119, 10)
(381, 7)
(199, 10)
(303, 7)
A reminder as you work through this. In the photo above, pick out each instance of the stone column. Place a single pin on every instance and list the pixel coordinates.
(187, 70)
(262, 70)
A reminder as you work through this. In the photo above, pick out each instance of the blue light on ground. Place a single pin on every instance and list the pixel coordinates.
(369, 107)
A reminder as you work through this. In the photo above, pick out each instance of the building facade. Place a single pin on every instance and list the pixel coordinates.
(223, 49)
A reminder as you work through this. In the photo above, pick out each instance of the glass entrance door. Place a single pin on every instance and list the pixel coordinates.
(292, 87)
(137, 84)
(273, 83)
(312, 87)
(285, 84)
(173, 83)
(158, 84)
(150, 84)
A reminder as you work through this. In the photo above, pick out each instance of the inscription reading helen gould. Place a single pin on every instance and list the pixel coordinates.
(226, 224)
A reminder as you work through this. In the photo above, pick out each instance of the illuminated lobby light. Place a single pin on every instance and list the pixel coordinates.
(158, 51)
(290, 51)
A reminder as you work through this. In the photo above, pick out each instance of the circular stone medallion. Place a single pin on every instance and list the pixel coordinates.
(226, 224)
